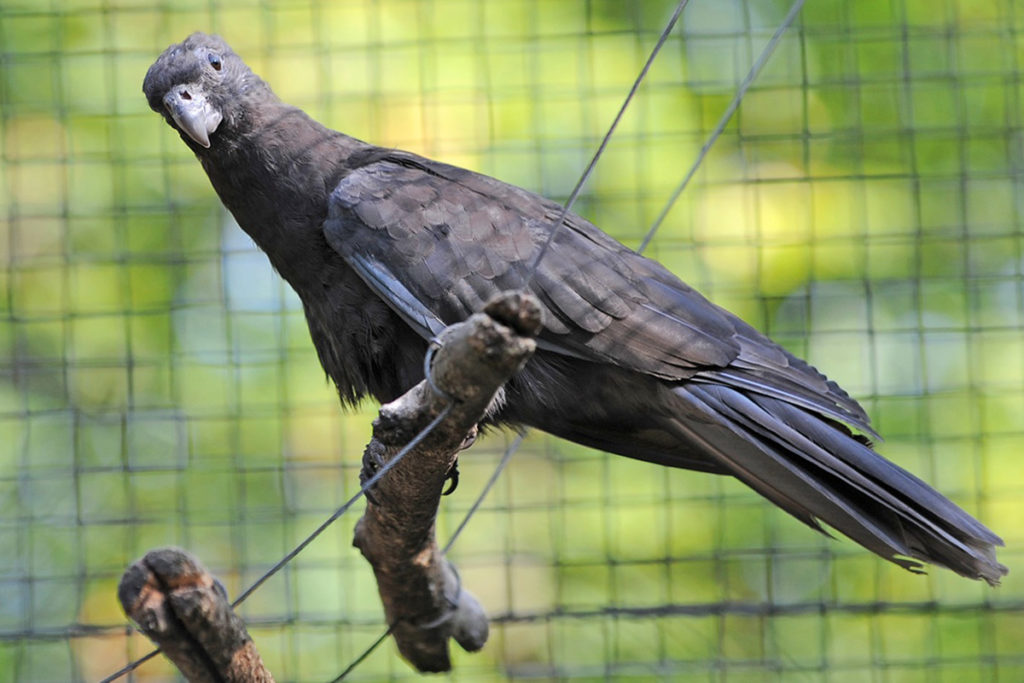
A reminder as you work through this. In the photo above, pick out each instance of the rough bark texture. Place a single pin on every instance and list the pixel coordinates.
(424, 601)
(182, 609)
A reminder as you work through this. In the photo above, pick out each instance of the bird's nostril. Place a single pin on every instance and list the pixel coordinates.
(185, 95)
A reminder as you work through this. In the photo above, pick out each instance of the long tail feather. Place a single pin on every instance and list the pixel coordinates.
(815, 470)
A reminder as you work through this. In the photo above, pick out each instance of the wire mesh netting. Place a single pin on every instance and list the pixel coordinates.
(158, 385)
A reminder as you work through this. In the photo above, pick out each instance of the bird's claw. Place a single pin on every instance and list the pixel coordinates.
(453, 477)
(453, 472)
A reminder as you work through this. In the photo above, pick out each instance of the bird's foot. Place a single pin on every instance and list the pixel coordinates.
(372, 462)
(452, 477)
(453, 472)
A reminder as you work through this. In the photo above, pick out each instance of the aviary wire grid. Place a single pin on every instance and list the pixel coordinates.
(863, 206)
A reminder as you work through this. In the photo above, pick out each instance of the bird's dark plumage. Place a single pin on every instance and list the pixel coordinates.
(386, 248)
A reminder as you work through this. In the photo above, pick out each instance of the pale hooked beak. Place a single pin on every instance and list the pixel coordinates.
(195, 116)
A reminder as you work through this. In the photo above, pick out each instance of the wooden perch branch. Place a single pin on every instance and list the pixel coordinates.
(424, 602)
(182, 609)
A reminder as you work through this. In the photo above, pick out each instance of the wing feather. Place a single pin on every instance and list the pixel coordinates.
(437, 242)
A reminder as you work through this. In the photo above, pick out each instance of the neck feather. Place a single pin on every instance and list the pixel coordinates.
(275, 176)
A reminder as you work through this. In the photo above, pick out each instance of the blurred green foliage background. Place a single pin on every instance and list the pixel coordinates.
(157, 383)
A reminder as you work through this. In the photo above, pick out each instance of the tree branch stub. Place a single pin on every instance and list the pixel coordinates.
(185, 611)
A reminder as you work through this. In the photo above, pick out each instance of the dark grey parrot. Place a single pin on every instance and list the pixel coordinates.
(385, 248)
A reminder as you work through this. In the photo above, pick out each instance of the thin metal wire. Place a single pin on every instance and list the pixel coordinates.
(513, 448)
(366, 653)
(370, 483)
(557, 223)
(755, 70)
(131, 667)
(428, 365)
(505, 459)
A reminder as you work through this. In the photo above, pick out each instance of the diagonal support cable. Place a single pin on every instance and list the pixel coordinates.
(557, 223)
(727, 115)
(345, 507)
(752, 75)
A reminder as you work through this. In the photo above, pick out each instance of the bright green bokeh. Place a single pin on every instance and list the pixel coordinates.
(159, 386)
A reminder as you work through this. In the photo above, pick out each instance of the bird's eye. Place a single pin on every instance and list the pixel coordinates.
(214, 61)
